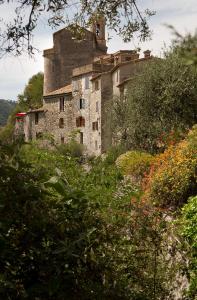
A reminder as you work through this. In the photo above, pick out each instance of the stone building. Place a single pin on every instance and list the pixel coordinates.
(80, 79)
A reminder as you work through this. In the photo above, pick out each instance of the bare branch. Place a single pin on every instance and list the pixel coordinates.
(122, 16)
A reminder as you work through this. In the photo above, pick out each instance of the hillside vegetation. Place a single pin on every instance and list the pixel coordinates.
(6, 107)
(121, 226)
(30, 98)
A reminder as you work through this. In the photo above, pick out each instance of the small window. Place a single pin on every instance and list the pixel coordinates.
(97, 106)
(95, 125)
(87, 83)
(62, 140)
(82, 103)
(36, 118)
(80, 122)
(96, 145)
(96, 85)
(81, 137)
(61, 103)
(75, 85)
(61, 123)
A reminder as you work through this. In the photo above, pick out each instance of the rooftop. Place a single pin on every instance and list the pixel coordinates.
(41, 109)
(64, 90)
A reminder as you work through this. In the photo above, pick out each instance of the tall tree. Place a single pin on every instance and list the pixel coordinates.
(124, 16)
(30, 98)
(33, 92)
(161, 100)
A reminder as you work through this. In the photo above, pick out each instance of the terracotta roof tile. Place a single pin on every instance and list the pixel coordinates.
(125, 81)
(41, 109)
(64, 90)
(96, 76)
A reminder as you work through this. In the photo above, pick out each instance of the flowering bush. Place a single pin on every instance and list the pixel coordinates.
(172, 177)
(135, 163)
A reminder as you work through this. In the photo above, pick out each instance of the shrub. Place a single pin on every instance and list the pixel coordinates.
(69, 234)
(54, 244)
(172, 177)
(189, 231)
(189, 218)
(135, 163)
(72, 149)
(113, 153)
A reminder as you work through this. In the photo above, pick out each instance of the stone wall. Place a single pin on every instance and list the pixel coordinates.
(95, 116)
(48, 121)
(91, 112)
(66, 54)
(107, 97)
(33, 130)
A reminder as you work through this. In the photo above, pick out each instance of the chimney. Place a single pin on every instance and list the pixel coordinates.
(147, 53)
(134, 54)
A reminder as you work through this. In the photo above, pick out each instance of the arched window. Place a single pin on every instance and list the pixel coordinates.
(80, 122)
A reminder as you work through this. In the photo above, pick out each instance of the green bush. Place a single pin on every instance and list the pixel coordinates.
(113, 153)
(189, 231)
(71, 234)
(54, 244)
(134, 163)
(72, 149)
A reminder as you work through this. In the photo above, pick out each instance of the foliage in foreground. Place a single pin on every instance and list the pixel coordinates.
(71, 233)
(50, 239)
(17, 35)
(188, 227)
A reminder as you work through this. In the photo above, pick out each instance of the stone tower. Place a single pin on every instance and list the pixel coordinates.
(98, 28)
(68, 53)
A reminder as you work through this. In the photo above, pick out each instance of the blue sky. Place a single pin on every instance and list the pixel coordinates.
(15, 71)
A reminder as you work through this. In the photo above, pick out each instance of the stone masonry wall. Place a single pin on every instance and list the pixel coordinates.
(48, 121)
(66, 54)
(95, 116)
(82, 93)
(107, 97)
(32, 129)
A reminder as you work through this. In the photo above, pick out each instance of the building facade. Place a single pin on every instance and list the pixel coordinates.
(80, 80)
